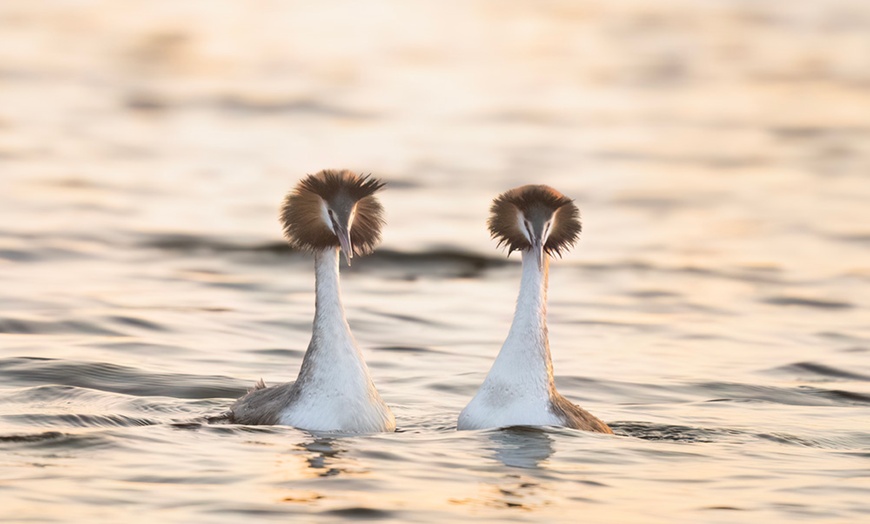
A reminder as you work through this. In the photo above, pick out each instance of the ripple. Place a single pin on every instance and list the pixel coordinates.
(740, 274)
(315, 107)
(43, 253)
(405, 349)
(816, 303)
(360, 513)
(42, 327)
(17, 255)
(144, 348)
(711, 161)
(279, 352)
(654, 293)
(242, 104)
(841, 396)
(115, 378)
(444, 262)
(137, 323)
(814, 370)
(808, 442)
(671, 433)
(794, 396)
(32, 437)
(689, 434)
(186, 243)
(857, 238)
(56, 440)
(79, 420)
(413, 319)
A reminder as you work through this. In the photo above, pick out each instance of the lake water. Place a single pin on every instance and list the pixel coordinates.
(714, 312)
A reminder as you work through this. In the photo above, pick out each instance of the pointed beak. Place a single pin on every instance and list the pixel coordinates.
(538, 250)
(342, 213)
(539, 232)
(344, 242)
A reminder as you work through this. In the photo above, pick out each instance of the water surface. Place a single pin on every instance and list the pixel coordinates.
(714, 311)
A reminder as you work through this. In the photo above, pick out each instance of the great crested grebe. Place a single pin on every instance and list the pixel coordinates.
(325, 213)
(519, 390)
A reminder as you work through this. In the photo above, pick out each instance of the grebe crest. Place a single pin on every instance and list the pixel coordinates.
(518, 215)
(325, 213)
(334, 209)
(519, 389)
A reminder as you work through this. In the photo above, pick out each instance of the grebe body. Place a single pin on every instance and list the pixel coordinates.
(519, 389)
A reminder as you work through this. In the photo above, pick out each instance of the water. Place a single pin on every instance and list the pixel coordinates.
(714, 312)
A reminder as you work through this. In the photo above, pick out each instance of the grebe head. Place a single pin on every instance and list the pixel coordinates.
(334, 209)
(534, 217)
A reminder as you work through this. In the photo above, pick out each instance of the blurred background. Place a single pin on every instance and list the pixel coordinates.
(719, 151)
(708, 122)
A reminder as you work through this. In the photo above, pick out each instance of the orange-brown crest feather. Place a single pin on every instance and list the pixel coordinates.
(504, 226)
(302, 217)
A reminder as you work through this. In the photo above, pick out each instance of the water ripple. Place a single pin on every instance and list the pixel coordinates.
(816, 303)
(813, 370)
(115, 378)
(79, 420)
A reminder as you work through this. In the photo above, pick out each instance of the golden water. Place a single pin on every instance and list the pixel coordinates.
(714, 311)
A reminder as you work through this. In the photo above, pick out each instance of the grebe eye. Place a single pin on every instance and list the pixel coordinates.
(331, 215)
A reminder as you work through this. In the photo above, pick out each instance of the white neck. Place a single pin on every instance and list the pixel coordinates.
(525, 356)
(328, 310)
(332, 348)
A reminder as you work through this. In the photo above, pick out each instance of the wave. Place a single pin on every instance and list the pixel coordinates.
(246, 105)
(104, 376)
(701, 435)
(817, 303)
(56, 440)
(814, 370)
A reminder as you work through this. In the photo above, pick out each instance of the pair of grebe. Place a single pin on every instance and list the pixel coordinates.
(336, 212)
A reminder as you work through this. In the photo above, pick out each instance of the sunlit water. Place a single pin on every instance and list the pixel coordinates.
(714, 311)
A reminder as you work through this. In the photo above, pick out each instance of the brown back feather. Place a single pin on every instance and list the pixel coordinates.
(504, 227)
(301, 211)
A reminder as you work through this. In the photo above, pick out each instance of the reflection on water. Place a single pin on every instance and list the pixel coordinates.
(714, 312)
(513, 492)
(525, 448)
(521, 447)
(324, 457)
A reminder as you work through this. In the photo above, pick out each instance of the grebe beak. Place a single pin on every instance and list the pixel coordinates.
(540, 232)
(342, 220)
(344, 242)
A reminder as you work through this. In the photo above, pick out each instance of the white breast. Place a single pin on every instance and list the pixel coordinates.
(496, 407)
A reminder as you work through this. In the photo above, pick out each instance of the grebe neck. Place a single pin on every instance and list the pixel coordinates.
(328, 309)
(525, 355)
(332, 345)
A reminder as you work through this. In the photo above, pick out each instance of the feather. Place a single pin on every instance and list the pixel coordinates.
(504, 226)
(302, 217)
